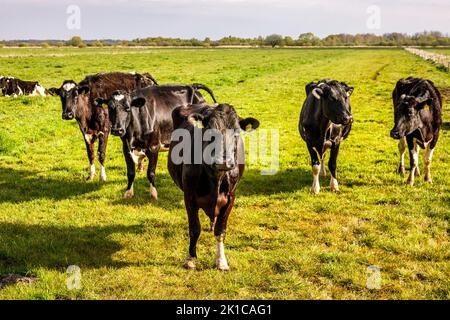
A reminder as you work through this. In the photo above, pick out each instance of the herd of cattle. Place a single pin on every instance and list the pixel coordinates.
(144, 115)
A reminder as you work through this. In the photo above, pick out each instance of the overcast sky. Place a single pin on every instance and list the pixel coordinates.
(130, 19)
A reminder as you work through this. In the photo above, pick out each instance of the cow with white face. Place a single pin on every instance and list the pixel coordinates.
(418, 120)
(77, 101)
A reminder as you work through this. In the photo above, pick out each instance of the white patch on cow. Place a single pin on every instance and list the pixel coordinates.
(221, 260)
(402, 149)
(102, 173)
(315, 189)
(137, 155)
(20, 91)
(334, 186)
(119, 97)
(415, 157)
(40, 90)
(88, 137)
(427, 159)
(91, 172)
(1, 77)
(69, 86)
(133, 72)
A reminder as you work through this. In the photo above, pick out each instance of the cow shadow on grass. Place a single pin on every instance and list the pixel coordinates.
(23, 246)
(446, 126)
(19, 186)
(254, 182)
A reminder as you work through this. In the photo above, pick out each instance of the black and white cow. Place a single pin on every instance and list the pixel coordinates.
(325, 121)
(209, 183)
(77, 101)
(418, 120)
(143, 120)
(11, 86)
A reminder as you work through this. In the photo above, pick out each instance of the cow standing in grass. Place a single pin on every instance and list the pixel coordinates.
(143, 120)
(418, 120)
(325, 121)
(208, 183)
(78, 103)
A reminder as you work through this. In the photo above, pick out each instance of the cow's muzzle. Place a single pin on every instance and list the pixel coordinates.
(347, 120)
(68, 116)
(395, 134)
(120, 132)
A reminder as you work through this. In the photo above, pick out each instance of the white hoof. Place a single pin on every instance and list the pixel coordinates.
(190, 263)
(222, 265)
(153, 193)
(128, 194)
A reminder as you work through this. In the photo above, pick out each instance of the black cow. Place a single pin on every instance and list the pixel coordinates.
(11, 86)
(418, 120)
(325, 121)
(77, 101)
(209, 183)
(143, 120)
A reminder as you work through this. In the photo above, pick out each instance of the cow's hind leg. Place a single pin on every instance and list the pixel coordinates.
(91, 157)
(194, 231)
(141, 166)
(332, 165)
(428, 157)
(220, 228)
(315, 163)
(413, 160)
(151, 172)
(402, 149)
(131, 171)
(417, 149)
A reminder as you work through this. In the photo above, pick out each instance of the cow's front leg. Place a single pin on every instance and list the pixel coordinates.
(91, 157)
(220, 228)
(102, 142)
(194, 230)
(413, 160)
(428, 157)
(402, 149)
(131, 170)
(315, 188)
(332, 165)
(151, 171)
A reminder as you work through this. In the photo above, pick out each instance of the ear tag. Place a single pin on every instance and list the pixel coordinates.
(198, 124)
(426, 107)
(248, 127)
(104, 106)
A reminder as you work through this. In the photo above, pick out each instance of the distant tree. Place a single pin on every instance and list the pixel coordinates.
(308, 39)
(75, 41)
(273, 40)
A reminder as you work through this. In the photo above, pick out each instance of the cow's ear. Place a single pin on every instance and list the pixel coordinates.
(138, 102)
(309, 87)
(99, 102)
(54, 91)
(349, 91)
(249, 124)
(317, 93)
(83, 89)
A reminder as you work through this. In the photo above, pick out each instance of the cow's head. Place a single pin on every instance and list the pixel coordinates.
(73, 98)
(222, 128)
(407, 113)
(120, 107)
(335, 99)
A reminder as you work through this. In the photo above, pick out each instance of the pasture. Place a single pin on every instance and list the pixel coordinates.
(282, 242)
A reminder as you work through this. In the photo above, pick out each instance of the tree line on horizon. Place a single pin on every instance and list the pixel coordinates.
(426, 38)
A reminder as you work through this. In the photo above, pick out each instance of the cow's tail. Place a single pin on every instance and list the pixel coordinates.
(199, 86)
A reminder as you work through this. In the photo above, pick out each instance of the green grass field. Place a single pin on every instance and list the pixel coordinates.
(282, 242)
